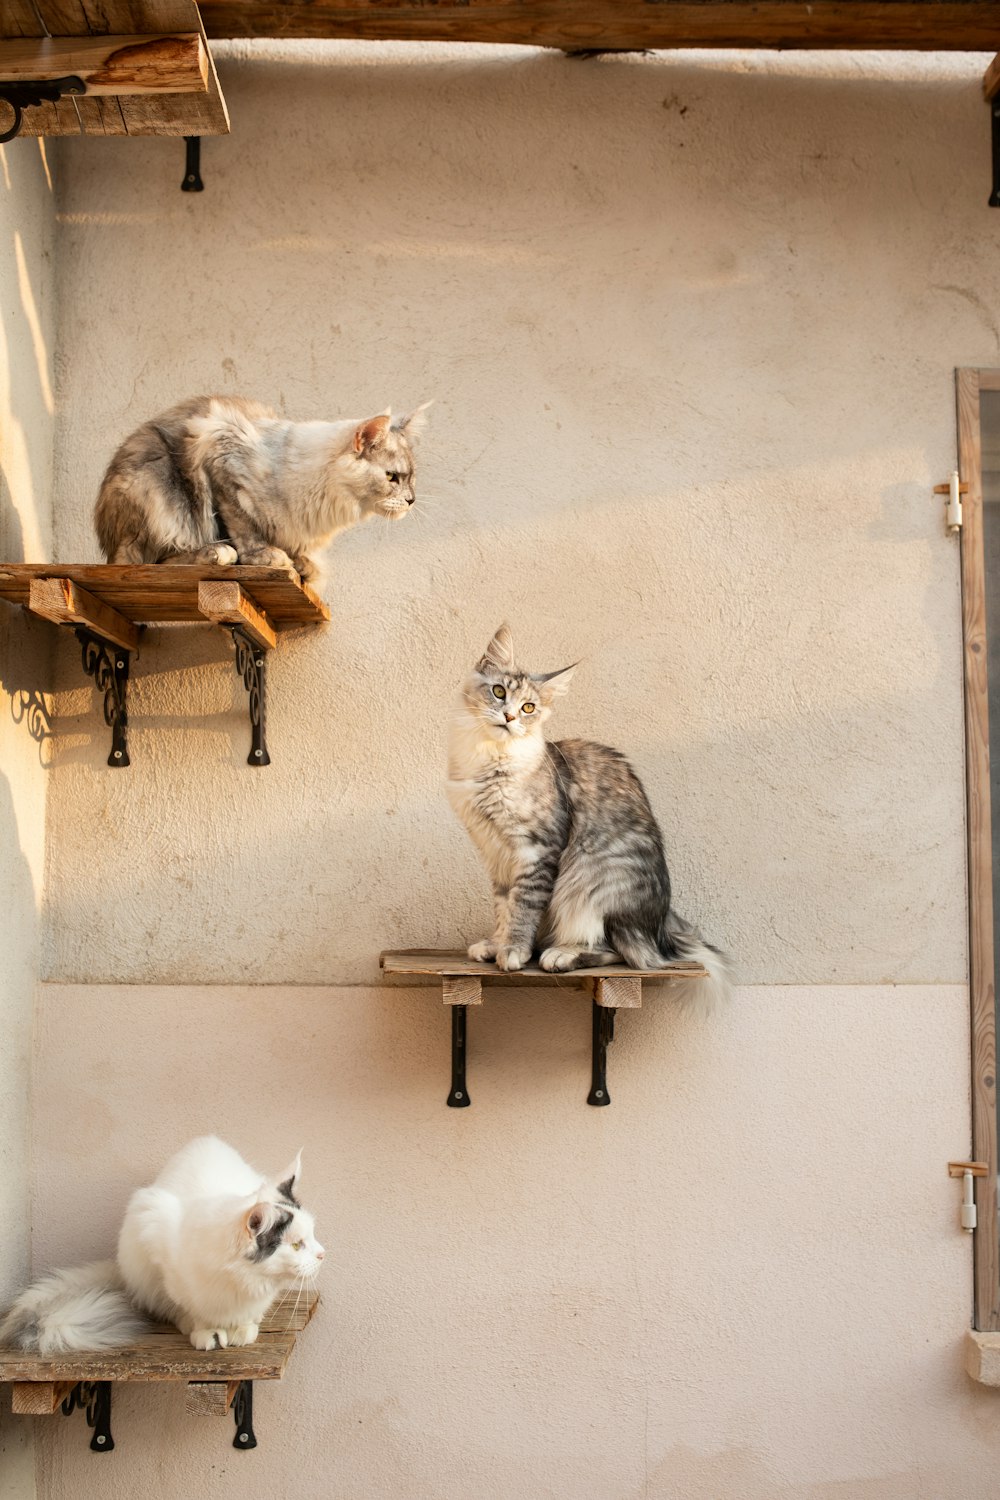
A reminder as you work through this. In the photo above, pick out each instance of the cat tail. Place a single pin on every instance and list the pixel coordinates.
(677, 939)
(85, 1308)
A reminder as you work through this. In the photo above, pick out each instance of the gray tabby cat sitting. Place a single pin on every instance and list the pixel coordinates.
(565, 831)
(221, 480)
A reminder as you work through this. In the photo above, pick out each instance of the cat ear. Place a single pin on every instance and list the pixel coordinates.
(500, 651)
(288, 1181)
(368, 435)
(412, 426)
(554, 684)
(258, 1219)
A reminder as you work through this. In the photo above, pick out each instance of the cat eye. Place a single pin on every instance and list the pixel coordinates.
(392, 478)
(499, 692)
(527, 708)
(298, 1244)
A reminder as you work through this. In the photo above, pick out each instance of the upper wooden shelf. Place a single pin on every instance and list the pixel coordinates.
(165, 593)
(969, 25)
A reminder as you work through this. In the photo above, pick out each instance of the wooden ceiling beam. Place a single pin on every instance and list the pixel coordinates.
(111, 64)
(618, 25)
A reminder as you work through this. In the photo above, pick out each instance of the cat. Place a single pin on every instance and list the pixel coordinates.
(221, 480)
(208, 1247)
(566, 832)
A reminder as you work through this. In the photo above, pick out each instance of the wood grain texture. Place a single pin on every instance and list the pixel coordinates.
(991, 78)
(113, 64)
(226, 604)
(618, 993)
(981, 936)
(209, 1398)
(164, 593)
(200, 113)
(165, 1354)
(65, 603)
(39, 1398)
(431, 965)
(970, 25)
(461, 991)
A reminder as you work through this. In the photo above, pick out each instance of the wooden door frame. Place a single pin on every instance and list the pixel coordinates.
(982, 998)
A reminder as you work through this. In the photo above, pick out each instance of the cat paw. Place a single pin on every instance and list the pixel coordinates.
(221, 555)
(305, 567)
(512, 958)
(209, 1338)
(246, 1333)
(266, 557)
(558, 960)
(484, 952)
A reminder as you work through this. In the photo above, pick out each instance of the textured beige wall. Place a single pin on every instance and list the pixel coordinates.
(691, 331)
(742, 1281)
(27, 226)
(691, 326)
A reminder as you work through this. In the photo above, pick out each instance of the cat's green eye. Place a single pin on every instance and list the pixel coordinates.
(499, 692)
(527, 708)
(392, 478)
(298, 1244)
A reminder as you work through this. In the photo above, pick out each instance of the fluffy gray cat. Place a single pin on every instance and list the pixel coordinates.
(221, 480)
(565, 830)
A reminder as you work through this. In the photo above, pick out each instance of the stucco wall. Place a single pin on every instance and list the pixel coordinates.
(27, 225)
(691, 333)
(691, 326)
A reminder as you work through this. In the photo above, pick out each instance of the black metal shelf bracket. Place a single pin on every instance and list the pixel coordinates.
(250, 659)
(108, 665)
(25, 94)
(192, 165)
(93, 1397)
(243, 1412)
(995, 123)
(603, 1034)
(459, 1096)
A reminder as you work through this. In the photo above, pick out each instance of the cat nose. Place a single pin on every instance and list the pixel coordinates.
(510, 718)
(410, 499)
(320, 1253)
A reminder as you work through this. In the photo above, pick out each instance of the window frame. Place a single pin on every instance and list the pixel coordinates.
(982, 998)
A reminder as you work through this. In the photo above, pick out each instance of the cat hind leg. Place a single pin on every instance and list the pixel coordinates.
(215, 555)
(559, 960)
(266, 557)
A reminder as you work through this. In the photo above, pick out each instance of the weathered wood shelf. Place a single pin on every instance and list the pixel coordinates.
(612, 987)
(109, 607)
(216, 1379)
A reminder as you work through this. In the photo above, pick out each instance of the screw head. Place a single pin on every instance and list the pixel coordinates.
(119, 663)
(243, 1437)
(598, 1093)
(118, 755)
(258, 753)
(101, 1438)
(459, 1094)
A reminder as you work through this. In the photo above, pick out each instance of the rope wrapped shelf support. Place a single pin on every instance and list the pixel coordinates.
(612, 988)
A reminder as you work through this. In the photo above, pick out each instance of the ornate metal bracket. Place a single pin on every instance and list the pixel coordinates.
(192, 165)
(603, 1023)
(23, 95)
(93, 1397)
(243, 1412)
(108, 666)
(250, 665)
(459, 1096)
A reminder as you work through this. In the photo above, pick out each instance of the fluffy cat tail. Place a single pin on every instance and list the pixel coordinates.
(677, 938)
(85, 1308)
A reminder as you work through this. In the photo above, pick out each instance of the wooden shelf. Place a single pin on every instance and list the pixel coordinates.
(216, 1378)
(109, 607)
(612, 987)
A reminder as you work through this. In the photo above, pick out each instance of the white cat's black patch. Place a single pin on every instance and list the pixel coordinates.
(269, 1239)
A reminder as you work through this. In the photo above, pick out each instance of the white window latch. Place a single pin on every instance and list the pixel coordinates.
(954, 490)
(967, 1170)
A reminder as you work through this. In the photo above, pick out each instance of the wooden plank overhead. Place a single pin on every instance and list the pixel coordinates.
(202, 112)
(923, 25)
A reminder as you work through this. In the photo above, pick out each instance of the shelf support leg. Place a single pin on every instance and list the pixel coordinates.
(602, 1033)
(107, 664)
(243, 1412)
(459, 1096)
(250, 659)
(94, 1397)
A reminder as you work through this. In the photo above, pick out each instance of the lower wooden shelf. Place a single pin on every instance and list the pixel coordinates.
(109, 606)
(216, 1379)
(612, 987)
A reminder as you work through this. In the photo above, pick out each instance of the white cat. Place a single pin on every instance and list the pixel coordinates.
(209, 1247)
